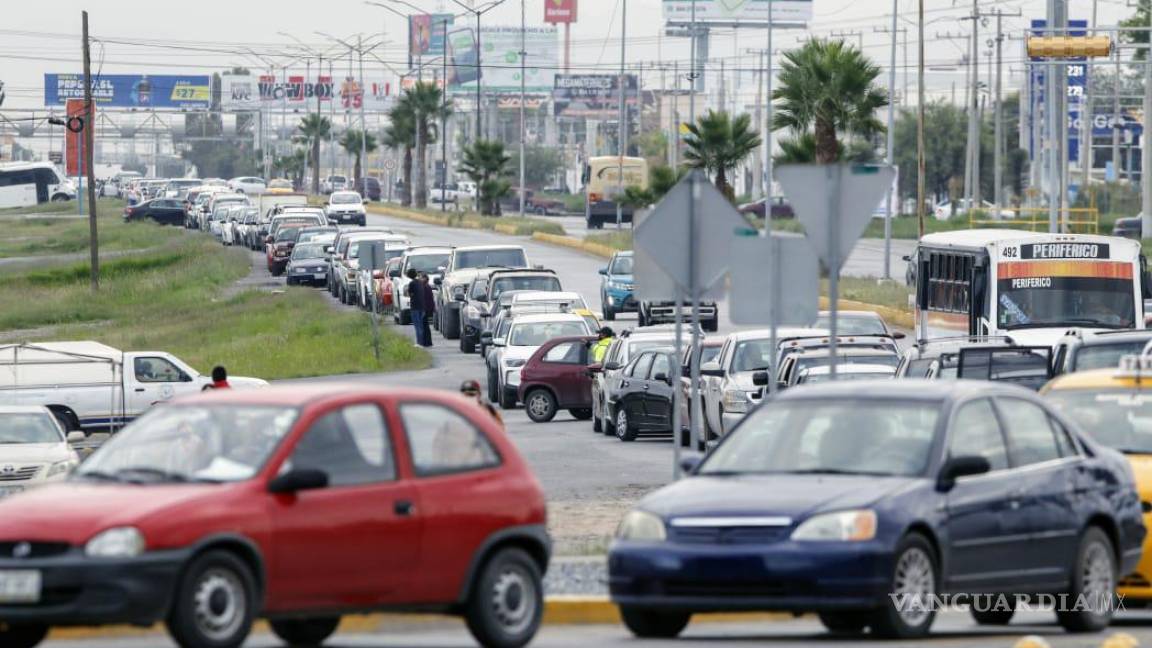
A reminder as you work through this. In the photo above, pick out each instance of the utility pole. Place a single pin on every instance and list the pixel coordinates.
(523, 57)
(758, 167)
(1054, 110)
(852, 33)
(1145, 146)
(444, 119)
(692, 69)
(622, 135)
(920, 162)
(998, 147)
(89, 144)
(674, 116)
(889, 151)
(768, 118)
(1116, 123)
(974, 116)
(1086, 133)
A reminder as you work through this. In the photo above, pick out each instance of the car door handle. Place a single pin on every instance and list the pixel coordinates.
(404, 507)
(139, 389)
(646, 387)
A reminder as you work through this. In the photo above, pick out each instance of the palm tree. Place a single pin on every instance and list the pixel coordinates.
(718, 144)
(293, 165)
(313, 128)
(354, 142)
(486, 164)
(401, 135)
(828, 86)
(428, 107)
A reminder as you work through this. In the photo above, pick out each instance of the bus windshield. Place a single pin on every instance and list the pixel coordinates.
(1039, 302)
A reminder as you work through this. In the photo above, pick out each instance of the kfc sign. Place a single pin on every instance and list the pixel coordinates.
(559, 11)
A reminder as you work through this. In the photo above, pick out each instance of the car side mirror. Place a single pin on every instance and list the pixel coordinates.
(662, 377)
(364, 201)
(297, 480)
(482, 298)
(760, 378)
(76, 436)
(268, 239)
(458, 297)
(439, 281)
(957, 467)
(907, 258)
(690, 462)
(612, 366)
(715, 372)
(486, 338)
(603, 271)
(595, 368)
(899, 335)
(498, 342)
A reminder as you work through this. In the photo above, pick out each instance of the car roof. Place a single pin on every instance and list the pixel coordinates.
(1097, 379)
(904, 389)
(784, 332)
(428, 249)
(859, 368)
(533, 318)
(522, 296)
(1110, 337)
(480, 248)
(854, 314)
(845, 351)
(305, 393)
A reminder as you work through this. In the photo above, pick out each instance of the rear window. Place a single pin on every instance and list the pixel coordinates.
(509, 258)
(1105, 356)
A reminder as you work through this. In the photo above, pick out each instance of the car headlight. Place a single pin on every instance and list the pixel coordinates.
(60, 467)
(641, 526)
(512, 364)
(118, 542)
(735, 401)
(841, 526)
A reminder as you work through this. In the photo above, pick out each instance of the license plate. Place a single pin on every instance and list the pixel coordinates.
(5, 491)
(20, 586)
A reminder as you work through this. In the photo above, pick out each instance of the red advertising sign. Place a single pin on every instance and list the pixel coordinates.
(559, 11)
(74, 142)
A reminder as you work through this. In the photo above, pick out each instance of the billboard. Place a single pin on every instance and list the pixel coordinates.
(239, 92)
(188, 92)
(594, 96)
(293, 89)
(728, 12)
(426, 34)
(500, 59)
(559, 11)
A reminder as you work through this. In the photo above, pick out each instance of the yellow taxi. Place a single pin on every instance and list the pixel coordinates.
(1114, 406)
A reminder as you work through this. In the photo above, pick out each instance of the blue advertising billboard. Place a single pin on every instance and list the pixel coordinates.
(190, 92)
(1077, 81)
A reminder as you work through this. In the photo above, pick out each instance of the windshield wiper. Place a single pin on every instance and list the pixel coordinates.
(836, 471)
(1065, 323)
(155, 473)
(97, 475)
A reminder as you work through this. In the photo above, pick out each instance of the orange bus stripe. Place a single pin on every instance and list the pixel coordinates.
(1093, 269)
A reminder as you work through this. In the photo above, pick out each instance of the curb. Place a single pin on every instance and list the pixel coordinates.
(430, 219)
(558, 611)
(572, 243)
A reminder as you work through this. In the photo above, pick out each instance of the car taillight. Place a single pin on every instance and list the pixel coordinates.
(594, 197)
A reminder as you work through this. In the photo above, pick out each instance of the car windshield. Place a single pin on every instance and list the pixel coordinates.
(1105, 356)
(854, 325)
(537, 333)
(841, 374)
(752, 355)
(508, 258)
(287, 234)
(429, 263)
(1119, 419)
(823, 360)
(636, 346)
(309, 251)
(215, 443)
(621, 266)
(345, 198)
(28, 427)
(1043, 302)
(830, 435)
(501, 284)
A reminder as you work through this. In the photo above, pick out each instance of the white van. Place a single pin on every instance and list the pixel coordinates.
(23, 184)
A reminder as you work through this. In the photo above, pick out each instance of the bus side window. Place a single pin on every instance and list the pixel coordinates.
(587, 176)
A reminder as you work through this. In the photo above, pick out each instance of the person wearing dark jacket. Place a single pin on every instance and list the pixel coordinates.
(418, 309)
(428, 301)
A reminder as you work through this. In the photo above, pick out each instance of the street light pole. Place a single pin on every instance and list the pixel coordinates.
(523, 87)
(891, 145)
(622, 131)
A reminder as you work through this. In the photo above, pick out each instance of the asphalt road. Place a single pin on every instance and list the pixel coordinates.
(951, 630)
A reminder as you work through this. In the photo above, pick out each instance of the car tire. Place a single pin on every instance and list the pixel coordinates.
(214, 579)
(609, 314)
(711, 326)
(493, 387)
(304, 632)
(506, 605)
(581, 413)
(654, 624)
(641, 319)
(22, 635)
(844, 623)
(597, 424)
(609, 423)
(506, 402)
(624, 429)
(450, 323)
(992, 617)
(540, 405)
(1093, 579)
(915, 572)
(467, 344)
(405, 317)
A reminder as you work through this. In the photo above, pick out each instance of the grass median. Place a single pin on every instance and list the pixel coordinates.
(515, 225)
(170, 297)
(52, 236)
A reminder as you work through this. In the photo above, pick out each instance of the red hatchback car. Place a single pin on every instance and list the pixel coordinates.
(298, 504)
(556, 377)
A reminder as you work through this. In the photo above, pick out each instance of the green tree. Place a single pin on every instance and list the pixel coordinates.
(1139, 21)
(428, 107)
(828, 87)
(541, 165)
(354, 142)
(945, 129)
(801, 149)
(293, 165)
(486, 163)
(401, 136)
(718, 144)
(314, 128)
(661, 179)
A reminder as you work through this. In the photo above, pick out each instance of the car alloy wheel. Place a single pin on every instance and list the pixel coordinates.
(915, 580)
(624, 432)
(541, 406)
(220, 604)
(1093, 584)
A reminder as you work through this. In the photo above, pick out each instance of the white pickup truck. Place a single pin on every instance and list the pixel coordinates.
(91, 386)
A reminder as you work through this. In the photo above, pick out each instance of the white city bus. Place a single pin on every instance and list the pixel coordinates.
(1029, 286)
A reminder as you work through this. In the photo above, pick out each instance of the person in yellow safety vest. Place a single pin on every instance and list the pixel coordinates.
(603, 341)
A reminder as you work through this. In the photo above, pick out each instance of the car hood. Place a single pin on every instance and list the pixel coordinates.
(1043, 337)
(519, 352)
(75, 511)
(244, 382)
(621, 278)
(742, 380)
(794, 496)
(21, 453)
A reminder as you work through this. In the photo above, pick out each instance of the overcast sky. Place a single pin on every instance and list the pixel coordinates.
(44, 37)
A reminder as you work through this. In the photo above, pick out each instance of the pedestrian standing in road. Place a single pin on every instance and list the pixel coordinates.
(428, 299)
(416, 307)
(219, 379)
(603, 341)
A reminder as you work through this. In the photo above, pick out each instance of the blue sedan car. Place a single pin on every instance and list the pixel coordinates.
(864, 501)
(616, 285)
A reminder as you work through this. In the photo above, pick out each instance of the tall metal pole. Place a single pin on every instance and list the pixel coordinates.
(674, 131)
(523, 69)
(920, 162)
(768, 118)
(891, 145)
(444, 119)
(1052, 87)
(622, 130)
(87, 157)
(998, 151)
(479, 81)
(1116, 123)
(1145, 146)
(1087, 151)
(977, 127)
(363, 119)
(692, 69)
